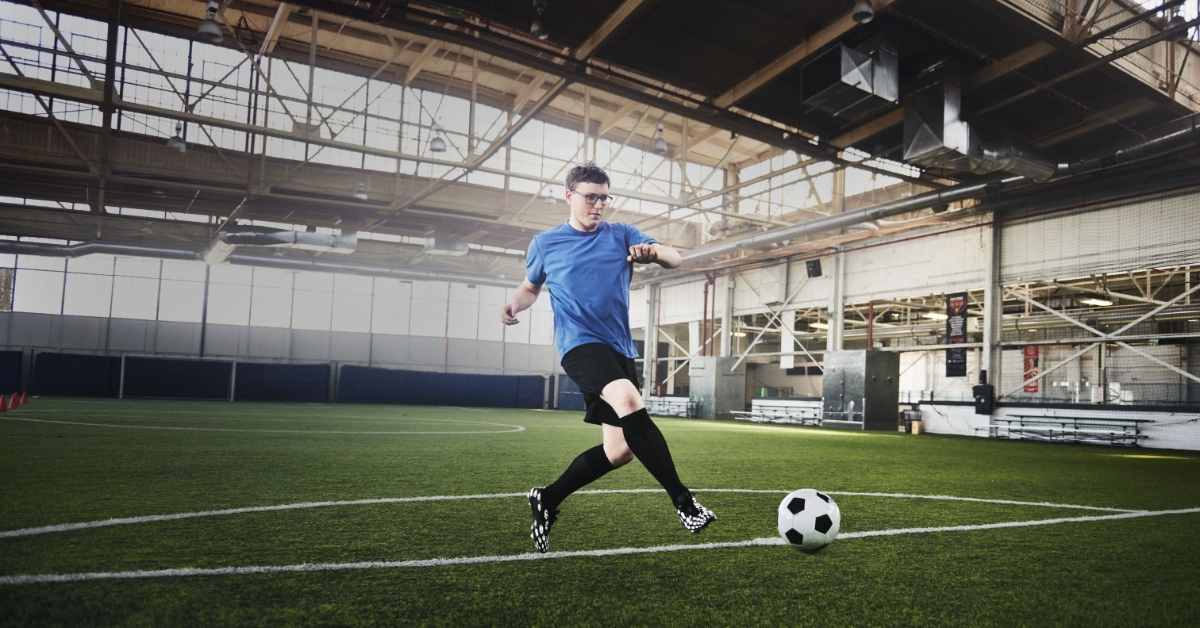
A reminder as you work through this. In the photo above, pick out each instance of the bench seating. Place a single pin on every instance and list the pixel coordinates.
(672, 406)
(1069, 429)
(788, 411)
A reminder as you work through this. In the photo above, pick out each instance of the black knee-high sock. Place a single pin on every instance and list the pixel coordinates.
(648, 444)
(587, 467)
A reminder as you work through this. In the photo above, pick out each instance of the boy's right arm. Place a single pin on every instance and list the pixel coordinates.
(522, 300)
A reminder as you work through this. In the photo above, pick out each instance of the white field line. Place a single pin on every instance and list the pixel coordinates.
(474, 560)
(517, 428)
(103, 523)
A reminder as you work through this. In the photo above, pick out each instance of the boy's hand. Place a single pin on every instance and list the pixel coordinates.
(642, 254)
(508, 314)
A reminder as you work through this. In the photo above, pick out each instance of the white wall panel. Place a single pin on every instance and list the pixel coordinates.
(1154, 233)
(949, 262)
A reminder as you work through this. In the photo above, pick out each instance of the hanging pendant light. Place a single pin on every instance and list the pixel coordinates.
(863, 11)
(537, 27)
(176, 142)
(210, 30)
(437, 144)
(1176, 21)
(660, 143)
(360, 192)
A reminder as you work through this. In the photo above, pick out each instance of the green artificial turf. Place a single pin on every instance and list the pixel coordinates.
(1139, 571)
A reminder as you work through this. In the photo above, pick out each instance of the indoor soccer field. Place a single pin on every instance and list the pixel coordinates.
(173, 514)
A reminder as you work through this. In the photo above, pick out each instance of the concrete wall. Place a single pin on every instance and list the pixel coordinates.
(104, 336)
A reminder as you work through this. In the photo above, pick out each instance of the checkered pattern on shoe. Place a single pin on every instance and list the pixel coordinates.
(692, 515)
(542, 520)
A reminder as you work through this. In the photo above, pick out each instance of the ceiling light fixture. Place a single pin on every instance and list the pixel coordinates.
(209, 30)
(437, 145)
(739, 334)
(360, 192)
(821, 326)
(937, 316)
(549, 197)
(1176, 21)
(863, 11)
(1096, 302)
(537, 27)
(660, 143)
(176, 142)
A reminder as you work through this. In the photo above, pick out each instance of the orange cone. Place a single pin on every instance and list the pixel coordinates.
(15, 403)
(24, 398)
(3, 404)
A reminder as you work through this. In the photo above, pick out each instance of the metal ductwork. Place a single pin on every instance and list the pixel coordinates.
(853, 83)
(46, 249)
(848, 219)
(225, 242)
(372, 270)
(935, 136)
(1159, 141)
(345, 242)
(267, 261)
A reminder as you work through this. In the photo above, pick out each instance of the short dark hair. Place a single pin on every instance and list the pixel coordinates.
(586, 172)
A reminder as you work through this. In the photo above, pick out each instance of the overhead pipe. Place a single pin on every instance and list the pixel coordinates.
(46, 249)
(1159, 141)
(372, 270)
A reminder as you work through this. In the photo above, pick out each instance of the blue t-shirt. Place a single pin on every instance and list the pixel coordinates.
(588, 277)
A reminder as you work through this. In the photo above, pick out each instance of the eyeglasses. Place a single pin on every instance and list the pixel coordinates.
(592, 199)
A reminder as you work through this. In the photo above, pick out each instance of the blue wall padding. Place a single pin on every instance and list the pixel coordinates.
(67, 375)
(158, 378)
(282, 382)
(10, 372)
(360, 384)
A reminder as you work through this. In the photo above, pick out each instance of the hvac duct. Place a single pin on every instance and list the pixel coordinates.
(372, 270)
(853, 83)
(346, 242)
(935, 136)
(94, 248)
(1155, 142)
(268, 261)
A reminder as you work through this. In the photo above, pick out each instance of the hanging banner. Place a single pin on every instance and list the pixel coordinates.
(956, 332)
(1031, 368)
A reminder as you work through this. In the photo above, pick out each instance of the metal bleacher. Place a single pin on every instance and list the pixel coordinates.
(791, 411)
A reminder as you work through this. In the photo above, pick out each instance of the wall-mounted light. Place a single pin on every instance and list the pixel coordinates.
(176, 141)
(660, 143)
(1096, 302)
(209, 30)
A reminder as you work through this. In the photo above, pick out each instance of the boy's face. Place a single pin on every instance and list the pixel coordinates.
(585, 215)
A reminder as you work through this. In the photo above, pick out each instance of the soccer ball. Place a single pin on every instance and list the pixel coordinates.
(808, 520)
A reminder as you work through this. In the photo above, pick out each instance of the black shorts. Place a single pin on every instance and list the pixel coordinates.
(594, 366)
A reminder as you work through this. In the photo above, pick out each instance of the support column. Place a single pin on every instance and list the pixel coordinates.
(650, 344)
(727, 318)
(993, 308)
(833, 339)
(787, 342)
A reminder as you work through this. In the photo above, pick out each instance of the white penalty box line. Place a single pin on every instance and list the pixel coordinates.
(475, 560)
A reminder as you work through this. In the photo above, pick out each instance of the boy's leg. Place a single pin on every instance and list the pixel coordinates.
(589, 466)
(643, 436)
(646, 442)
